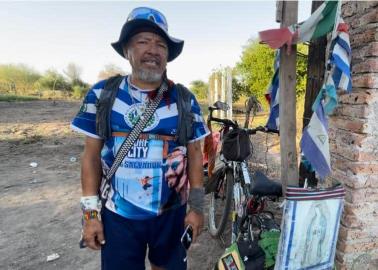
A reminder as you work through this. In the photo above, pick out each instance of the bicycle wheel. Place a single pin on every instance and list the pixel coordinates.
(220, 205)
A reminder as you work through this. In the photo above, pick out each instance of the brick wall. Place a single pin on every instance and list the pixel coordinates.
(354, 142)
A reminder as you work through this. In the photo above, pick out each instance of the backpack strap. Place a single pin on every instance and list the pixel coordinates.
(185, 116)
(104, 106)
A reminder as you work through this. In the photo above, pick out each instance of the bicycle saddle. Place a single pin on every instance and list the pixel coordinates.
(263, 186)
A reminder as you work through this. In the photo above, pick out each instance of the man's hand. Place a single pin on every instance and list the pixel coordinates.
(196, 221)
(93, 234)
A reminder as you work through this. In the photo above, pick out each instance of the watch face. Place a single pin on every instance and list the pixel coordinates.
(187, 237)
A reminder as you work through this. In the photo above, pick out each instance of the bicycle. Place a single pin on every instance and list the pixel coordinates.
(237, 193)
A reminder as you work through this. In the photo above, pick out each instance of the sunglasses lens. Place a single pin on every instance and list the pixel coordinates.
(149, 14)
(175, 165)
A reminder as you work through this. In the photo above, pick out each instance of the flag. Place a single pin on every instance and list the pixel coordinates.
(318, 24)
(340, 57)
(273, 96)
(328, 95)
(315, 143)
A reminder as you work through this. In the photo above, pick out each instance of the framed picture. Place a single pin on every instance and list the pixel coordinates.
(309, 229)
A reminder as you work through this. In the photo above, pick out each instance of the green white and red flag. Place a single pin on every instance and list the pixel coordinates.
(318, 24)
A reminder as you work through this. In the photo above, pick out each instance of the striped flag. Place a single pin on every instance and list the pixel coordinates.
(318, 24)
(341, 57)
(315, 144)
(273, 97)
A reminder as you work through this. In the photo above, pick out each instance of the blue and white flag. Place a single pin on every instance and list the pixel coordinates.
(273, 96)
(315, 143)
(328, 95)
(341, 57)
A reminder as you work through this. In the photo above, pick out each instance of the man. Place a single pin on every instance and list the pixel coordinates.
(143, 211)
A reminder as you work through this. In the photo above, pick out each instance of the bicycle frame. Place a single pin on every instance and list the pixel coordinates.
(241, 197)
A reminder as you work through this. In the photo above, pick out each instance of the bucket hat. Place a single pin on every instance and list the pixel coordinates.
(148, 18)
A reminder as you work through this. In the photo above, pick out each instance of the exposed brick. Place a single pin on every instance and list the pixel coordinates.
(365, 80)
(357, 260)
(358, 247)
(363, 168)
(355, 125)
(369, 65)
(340, 266)
(357, 111)
(363, 208)
(370, 17)
(350, 180)
(363, 7)
(360, 54)
(348, 137)
(349, 8)
(363, 96)
(362, 195)
(366, 36)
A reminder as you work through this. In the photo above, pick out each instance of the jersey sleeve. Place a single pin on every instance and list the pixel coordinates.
(85, 120)
(200, 129)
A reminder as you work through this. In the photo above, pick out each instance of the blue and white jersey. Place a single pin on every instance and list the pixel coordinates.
(152, 177)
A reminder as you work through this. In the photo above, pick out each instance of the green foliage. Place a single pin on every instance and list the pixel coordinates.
(12, 98)
(79, 91)
(301, 69)
(199, 89)
(253, 73)
(52, 80)
(17, 79)
(255, 69)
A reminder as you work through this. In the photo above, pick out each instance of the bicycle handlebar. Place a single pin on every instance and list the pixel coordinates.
(252, 131)
(230, 123)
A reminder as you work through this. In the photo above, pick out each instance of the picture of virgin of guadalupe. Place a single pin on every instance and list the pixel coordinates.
(175, 172)
(316, 242)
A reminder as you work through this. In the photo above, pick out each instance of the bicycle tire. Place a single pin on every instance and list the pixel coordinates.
(220, 208)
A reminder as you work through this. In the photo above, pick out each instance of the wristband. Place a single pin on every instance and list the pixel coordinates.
(196, 199)
(91, 214)
(90, 203)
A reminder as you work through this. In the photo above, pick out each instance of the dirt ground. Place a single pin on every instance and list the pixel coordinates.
(39, 206)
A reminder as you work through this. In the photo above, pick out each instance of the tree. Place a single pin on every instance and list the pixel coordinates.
(199, 89)
(109, 71)
(254, 71)
(53, 80)
(17, 79)
(73, 72)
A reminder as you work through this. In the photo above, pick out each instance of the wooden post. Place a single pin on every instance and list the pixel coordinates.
(229, 91)
(287, 92)
(279, 6)
(315, 70)
(315, 77)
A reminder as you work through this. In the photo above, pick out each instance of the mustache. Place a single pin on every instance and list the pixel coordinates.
(151, 58)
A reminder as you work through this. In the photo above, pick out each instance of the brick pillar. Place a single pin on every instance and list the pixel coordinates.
(354, 142)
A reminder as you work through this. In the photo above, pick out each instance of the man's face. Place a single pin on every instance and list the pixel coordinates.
(147, 53)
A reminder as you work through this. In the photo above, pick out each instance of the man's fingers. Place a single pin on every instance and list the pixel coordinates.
(93, 234)
(91, 243)
(100, 237)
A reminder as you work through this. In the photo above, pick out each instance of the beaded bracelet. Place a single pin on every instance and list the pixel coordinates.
(91, 214)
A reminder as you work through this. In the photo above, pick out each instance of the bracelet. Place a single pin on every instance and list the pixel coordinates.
(90, 203)
(196, 199)
(91, 214)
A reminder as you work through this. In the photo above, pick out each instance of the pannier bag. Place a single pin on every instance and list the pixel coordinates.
(236, 145)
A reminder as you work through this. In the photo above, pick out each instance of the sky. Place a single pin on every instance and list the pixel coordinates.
(47, 35)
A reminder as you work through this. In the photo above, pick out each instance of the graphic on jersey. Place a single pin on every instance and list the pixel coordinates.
(135, 111)
(138, 179)
(175, 171)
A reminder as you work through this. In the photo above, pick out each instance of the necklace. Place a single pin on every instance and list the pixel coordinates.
(141, 102)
